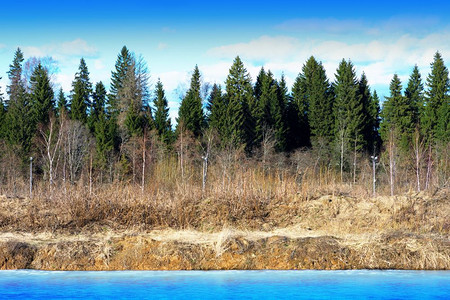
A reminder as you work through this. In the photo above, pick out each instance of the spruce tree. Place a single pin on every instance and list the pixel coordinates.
(42, 96)
(268, 110)
(374, 117)
(19, 126)
(61, 105)
(133, 113)
(18, 129)
(436, 117)
(16, 86)
(98, 105)
(105, 133)
(162, 118)
(297, 116)
(348, 113)
(81, 93)
(320, 101)
(415, 95)
(216, 107)
(239, 97)
(398, 116)
(367, 114)
(191, 113)
(123, 63)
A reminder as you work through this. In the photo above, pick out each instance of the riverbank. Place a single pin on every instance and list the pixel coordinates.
(326, 232)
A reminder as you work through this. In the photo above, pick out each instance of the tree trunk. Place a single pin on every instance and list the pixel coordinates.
(143, 163)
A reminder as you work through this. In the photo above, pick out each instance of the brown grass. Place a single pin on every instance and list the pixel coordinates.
(242, 195)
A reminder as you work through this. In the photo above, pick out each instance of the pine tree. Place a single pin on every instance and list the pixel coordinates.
(162, 118)
(81, 93)
(398, 116)
(16, 87)
(320, 101)
(216, 108)
(297, 116)
(105, 133)
(123, 63)
(239, 96)
(42, 96)
(190, 113)
(374, 117)
(348, 113)
(367, 113)
(268, 110)
(280, 113)
(18, 129)
(133, 113)
(98, 105)
(436, 117)
(62, 105)
(414, 94)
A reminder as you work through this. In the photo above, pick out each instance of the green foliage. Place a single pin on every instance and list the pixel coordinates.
(348, 108)
(414, 93)
(297, 116)
(375, 120)
(98, 105)
(190, 113)
(239, 98)
(436, 117)
(62, 105)
(42, 96)
(19, 128)
(81, 93)
(314, 83)
(217, 107)
(398, 116)
(123, 63)
(15, 77)
(370, 113)
(162, 118)
(268, 110)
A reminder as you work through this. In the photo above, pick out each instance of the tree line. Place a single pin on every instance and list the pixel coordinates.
(115, 134)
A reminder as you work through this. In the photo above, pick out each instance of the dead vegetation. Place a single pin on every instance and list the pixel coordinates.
(245, 218)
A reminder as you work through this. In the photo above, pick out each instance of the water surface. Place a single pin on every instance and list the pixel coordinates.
(356, 284)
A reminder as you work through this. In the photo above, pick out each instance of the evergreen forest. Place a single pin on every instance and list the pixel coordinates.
(322, 131)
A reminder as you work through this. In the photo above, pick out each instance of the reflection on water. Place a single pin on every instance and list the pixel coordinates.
(356, 284)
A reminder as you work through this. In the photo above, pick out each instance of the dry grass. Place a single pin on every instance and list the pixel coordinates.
(242, 194)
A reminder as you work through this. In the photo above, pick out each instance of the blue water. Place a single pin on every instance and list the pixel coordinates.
(363, 284)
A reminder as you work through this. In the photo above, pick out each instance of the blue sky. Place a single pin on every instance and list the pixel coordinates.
(381, 38)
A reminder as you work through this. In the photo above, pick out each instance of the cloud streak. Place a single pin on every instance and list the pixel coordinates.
(77, 47)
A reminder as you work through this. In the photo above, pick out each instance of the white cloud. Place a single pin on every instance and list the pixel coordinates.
(76, 47)
(172, 79)
(64, 81)
(162, 46)
(61, 51)
(396, 25)
(330, 25)
(378, 57)
(264, 47)
(98, 64)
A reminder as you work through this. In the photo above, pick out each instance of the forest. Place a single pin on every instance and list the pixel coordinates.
(242, 139)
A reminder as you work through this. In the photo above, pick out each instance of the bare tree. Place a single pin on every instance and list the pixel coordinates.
(51, 136)
(418, 144)
(77, 145)
(208, 136)
(392, 159)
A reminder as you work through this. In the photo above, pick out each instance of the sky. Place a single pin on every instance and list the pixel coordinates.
(381, 38)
